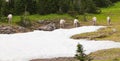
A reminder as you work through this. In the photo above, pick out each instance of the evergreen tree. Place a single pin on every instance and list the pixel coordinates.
(63, 6)
(113, 1)
(102, 3)
(31, 6)
(9, 7)
(82, 6)
(88, 6)
(80, 55)
(2, 9)
(91, 7)
(18, 7)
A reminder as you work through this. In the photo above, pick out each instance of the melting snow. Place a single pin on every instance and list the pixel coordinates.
(48, 44)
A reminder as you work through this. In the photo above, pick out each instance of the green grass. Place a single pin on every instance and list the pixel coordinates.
(37, 17)
(112, 11)
(104, 34)
(44, 17)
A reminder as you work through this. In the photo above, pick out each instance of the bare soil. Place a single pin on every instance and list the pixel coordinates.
(57, 59)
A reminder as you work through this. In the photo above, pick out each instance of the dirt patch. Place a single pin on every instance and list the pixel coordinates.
(57, 59)
(101, 55)
(101, 33)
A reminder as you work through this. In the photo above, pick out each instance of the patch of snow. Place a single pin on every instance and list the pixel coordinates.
(48, 44)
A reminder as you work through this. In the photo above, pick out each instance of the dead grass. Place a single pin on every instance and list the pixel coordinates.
(106, 55)
(109, 33)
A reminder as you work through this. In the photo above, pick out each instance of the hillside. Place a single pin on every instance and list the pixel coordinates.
(106, 33)
(101, 55)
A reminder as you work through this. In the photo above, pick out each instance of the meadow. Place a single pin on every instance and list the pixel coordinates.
(103, 34)
(107, 33)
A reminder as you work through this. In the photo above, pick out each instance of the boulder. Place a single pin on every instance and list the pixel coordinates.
(49, 27)
(11, 29)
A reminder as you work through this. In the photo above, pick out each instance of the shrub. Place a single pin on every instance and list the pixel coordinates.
(114, 1)
(25, 22)
(103, 3)
(73, 13)
(3, 19)
(81, 56)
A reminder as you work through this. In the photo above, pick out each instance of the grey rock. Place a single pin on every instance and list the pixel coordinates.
(49, 27)
(11, 29)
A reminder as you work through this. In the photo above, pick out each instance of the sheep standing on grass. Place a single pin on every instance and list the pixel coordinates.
(108, 20)
(94, 19)
(62, 23)
(9, 18)
(76, 22)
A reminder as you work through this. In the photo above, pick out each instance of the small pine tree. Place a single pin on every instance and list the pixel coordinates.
(80, 55)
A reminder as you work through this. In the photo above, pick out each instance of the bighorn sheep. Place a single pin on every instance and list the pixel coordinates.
(94, 19)
(9, 18)
(76, 22)
(108, 20)
(62, 23)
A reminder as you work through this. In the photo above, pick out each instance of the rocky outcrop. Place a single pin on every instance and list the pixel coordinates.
(38, 25)
(49, 27)
(11, 29)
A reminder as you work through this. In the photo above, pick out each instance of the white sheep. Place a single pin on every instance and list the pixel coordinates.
(108, 20)
(62, 23)
(76, 22)
(9, 18)
(114, 30)
(94, 19)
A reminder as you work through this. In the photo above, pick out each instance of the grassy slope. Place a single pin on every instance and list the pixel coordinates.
(37, 17)
(107, 33)
(113, 12)
(43, 17)
(110, 11)
(106, 55)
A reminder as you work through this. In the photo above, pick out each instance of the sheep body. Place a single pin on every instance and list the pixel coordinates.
(76, 22)
(94, 19)
(108, 20)
(9, 18)
(62, 23)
